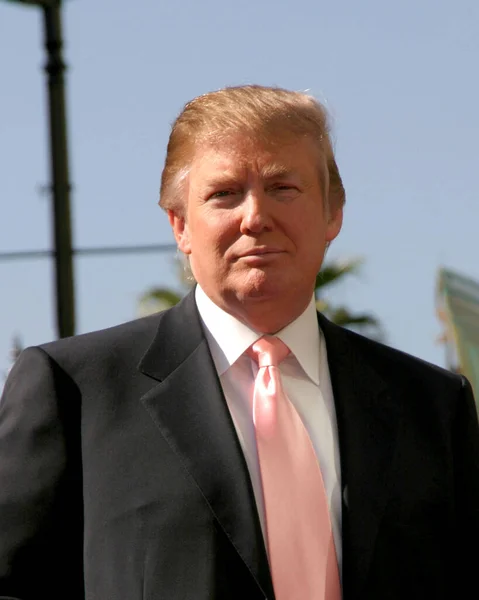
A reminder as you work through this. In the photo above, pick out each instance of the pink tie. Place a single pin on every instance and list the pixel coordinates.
(300, 541)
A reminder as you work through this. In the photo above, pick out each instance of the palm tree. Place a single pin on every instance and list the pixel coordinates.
(157, 299)
(161, 298)
(331, 274)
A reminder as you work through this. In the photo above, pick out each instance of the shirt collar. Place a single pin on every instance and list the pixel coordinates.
(229, 338)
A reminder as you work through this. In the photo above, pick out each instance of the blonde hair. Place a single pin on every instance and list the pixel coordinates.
(268, 114)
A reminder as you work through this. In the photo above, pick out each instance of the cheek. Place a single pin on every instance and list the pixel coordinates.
(220, 230)
(211, 237)
(309, 236)
(304, 232)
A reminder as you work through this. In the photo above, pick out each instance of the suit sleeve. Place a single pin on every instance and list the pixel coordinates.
(466, 470)
(40, 482)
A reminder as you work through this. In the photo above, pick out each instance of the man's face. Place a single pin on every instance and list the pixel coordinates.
(255, 226)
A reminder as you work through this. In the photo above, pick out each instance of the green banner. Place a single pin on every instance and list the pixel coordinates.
(460, 297)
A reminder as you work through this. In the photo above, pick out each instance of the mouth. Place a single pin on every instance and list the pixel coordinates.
(261, 251)
(260, 256)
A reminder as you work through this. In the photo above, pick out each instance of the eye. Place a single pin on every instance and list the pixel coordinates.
(283, 188)
(225, 195)
(221, 194)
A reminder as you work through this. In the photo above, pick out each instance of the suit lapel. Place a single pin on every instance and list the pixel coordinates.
(368, 418)
(190, 411)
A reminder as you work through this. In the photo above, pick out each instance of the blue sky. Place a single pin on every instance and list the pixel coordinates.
(400, 80)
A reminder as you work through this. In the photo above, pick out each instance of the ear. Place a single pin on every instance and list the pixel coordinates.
(334, 224)
(180, 231)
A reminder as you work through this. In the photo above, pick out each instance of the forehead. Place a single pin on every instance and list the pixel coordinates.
(239, 154)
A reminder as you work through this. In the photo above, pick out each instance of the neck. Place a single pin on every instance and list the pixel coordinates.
(266, 317)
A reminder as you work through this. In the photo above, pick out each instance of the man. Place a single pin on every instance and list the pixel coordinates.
(177, 457)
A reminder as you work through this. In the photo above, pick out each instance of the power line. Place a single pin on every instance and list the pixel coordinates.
(94, 251)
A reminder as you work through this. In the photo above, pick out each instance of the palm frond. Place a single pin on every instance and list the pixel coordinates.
(157, 299)
(332, 272)
(342, 316)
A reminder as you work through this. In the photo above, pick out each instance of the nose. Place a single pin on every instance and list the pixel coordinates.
(256, 217)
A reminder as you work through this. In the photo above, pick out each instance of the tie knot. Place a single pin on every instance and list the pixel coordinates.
(268, 351)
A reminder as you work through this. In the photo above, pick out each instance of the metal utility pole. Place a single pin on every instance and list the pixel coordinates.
(60, 182)
(55, 67)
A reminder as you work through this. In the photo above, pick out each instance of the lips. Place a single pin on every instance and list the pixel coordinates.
(261, 251)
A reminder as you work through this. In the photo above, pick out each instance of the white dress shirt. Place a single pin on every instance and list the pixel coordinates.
(306, 380)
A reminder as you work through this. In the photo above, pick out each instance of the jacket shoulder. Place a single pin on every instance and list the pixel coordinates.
(124, 343)
(391, 363)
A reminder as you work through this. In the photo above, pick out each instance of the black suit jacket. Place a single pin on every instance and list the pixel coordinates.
(122, 478)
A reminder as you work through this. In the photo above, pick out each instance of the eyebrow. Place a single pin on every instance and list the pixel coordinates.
(220, 179)
(273, 171)
(268, 172)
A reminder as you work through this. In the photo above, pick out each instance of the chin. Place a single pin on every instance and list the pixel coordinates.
(260, 286)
